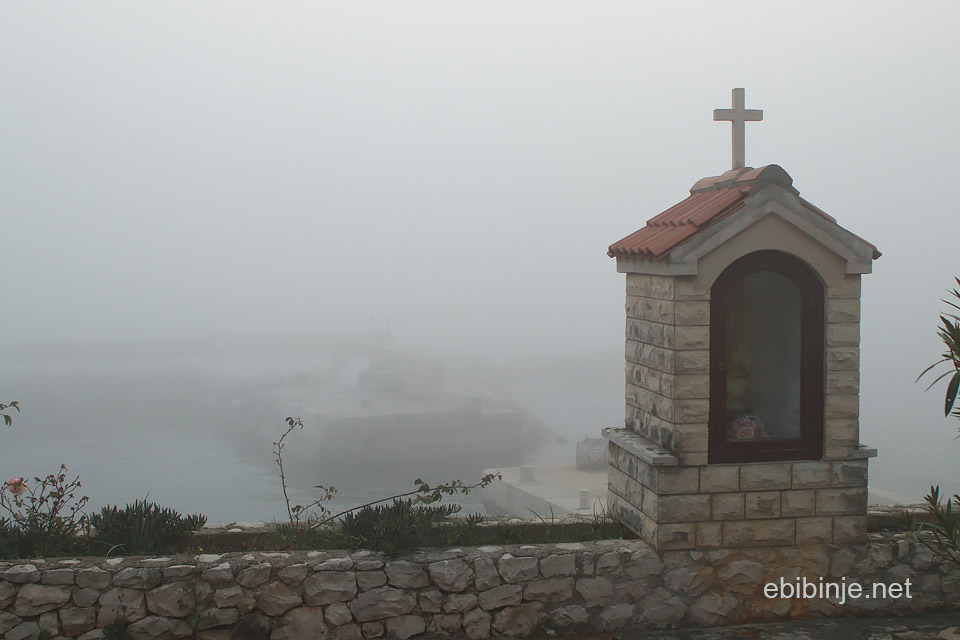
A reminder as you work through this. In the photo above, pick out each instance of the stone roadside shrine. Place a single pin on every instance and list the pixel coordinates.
(742, 367)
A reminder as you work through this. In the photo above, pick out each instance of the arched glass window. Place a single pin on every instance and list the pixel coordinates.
(766, 361)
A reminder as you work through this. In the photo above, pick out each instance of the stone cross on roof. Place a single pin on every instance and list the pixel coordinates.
(738, 115)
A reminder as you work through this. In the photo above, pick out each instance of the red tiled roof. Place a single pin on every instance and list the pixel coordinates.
(674, 226)
(711, 200)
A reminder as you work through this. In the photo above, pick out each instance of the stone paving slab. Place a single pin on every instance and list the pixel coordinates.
(936, 626)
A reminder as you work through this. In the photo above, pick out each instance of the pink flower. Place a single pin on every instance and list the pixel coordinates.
(16, 486)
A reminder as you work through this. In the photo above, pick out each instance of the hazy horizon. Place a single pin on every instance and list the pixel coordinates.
(453, 174)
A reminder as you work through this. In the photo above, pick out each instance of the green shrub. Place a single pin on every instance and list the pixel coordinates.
(394, 527)
(142, 528)
(46, 513)
(9, 540)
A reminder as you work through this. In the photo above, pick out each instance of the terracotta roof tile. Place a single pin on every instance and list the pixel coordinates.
(678, 223)
(711, 200)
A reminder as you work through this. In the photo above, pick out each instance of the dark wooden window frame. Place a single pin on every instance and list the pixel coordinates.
(809, 446)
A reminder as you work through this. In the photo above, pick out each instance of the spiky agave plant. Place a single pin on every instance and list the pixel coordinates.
(943, 528)
(949, 333)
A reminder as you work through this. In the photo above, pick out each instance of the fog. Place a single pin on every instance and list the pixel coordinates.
(213, 189)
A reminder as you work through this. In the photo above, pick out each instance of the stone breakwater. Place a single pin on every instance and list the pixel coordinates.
(475, 593)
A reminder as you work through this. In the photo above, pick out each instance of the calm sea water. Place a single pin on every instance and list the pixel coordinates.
(153, 429)
(168, 429)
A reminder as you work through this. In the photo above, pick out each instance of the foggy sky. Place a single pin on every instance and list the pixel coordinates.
(458, 170)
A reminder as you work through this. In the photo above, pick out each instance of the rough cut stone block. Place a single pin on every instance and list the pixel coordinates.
(228, 596)
(294, 574)
(23, 573)
(843, 358)
(7, 593)
(647, 332)
(349, 631)
(476, 624)
(158, 627)
(86, 597)
(842, 406)
(683, 508)
(650, 286)
(34, 599)
(485, 571)
(277, 598)
(847, 529)
(709, 535)
(841, 502)
(811, 475)
(553, 590)
(77, 620)
(93, 578)
(174, 600)
(24, 631)
(303, 622)
(179, 571)
(558, 565)
(219, 576)
(447, 624)
(451, 575)
(852, 473)
(643, 564)
(814, 530)
(693, 458)
(677, 480)
(692, 386)
(718, 478)
(765, 476)
(762, 504)
(254, 576)
(502, 596)
(403, 627)
(325, 587)
(685, 338)
(657, 310)
(380, 603)
(848, 288)
(759, 533)
(129, 603)
(713, 609)
(58, 576)
(798, 503)
(676, 536)
(406, 575)
(211, 618)
(689, 437)
(568, 616)
(459, 602)
(518, 569)
(843, 382)
(842, 432)
(595, 591)
(692, 313)
(843, 310)
(662, 609)
(370, 579)
(338, 613)
(727, 506)
(692, 362)
(687, 410)
(685, 288)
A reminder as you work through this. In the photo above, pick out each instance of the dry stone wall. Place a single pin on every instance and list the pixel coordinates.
(474, 593)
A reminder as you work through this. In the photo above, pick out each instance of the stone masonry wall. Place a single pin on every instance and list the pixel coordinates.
(735, 505)
(473, 592)
(668, 365)
(682, 503)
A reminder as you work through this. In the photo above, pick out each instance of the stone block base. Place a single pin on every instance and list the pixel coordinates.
(676, 506)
